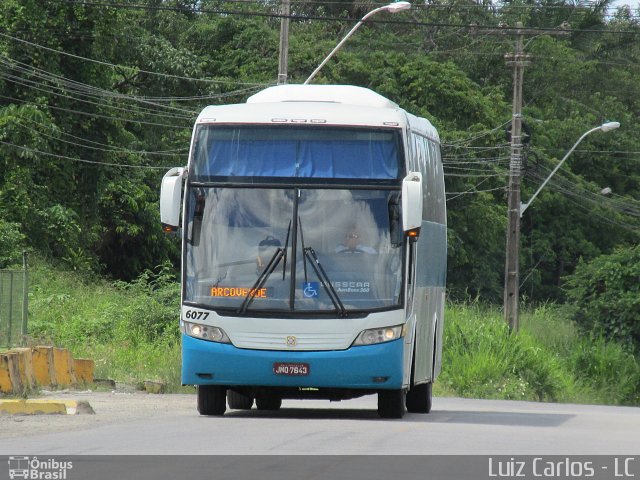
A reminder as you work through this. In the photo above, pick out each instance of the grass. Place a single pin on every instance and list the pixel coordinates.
(549, 359)
(131, 331)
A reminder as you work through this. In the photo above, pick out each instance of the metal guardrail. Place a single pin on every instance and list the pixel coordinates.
(14, 305)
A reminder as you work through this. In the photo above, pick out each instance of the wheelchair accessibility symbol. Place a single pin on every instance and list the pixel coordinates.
(311, 289)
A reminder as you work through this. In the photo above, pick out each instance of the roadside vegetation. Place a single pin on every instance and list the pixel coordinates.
(131, 331)
(550, 359)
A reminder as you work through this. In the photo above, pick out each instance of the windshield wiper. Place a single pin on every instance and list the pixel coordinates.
(286, 245)
(277, 256)
(310, 254)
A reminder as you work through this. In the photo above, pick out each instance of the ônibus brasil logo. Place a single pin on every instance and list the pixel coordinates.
(35, 469)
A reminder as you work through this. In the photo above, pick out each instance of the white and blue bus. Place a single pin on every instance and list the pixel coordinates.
(314, 251)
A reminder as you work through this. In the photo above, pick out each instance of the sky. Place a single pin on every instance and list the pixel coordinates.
(632, 3)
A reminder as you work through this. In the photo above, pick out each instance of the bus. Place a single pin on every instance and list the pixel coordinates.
(313, 227)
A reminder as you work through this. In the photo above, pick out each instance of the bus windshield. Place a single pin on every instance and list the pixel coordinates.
(295, 152)
(251, 250)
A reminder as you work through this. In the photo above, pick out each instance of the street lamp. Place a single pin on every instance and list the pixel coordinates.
(516, 209)
(391, 8)
(605, 127)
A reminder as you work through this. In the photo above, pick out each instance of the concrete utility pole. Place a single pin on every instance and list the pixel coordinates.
(512, 267)
(283, 61)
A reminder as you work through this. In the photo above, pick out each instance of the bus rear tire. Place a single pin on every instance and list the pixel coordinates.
(391, 403)
(238, 401)
(419, 398)
(212, 399)
(268, 403)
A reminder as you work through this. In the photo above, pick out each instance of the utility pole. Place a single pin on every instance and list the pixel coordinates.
(512, 262)
(283, 60)
(512, 267)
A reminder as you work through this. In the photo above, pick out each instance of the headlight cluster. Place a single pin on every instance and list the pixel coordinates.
(204, 332)
(379, 335)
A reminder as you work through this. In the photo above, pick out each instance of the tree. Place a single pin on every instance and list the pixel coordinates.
(606, 294)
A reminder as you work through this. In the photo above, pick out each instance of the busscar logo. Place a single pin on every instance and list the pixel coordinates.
(35, 469)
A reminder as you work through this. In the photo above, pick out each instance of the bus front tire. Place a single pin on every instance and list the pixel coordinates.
(238, 401)
(391, 403)
(419, 398)
(212, 399)
(268, 403)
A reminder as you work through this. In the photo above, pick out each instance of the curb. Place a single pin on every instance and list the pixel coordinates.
(46, 407)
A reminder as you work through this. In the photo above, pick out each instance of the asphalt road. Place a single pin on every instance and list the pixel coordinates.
(146, 424)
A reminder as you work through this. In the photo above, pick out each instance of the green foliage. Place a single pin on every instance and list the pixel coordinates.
(12, 243)
(130, 238)
(473, 258)
(607, 369)
(549, 359)
(483, 359)
(129, 329)
(606, 294)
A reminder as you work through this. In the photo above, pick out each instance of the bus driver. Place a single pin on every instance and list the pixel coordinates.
(353, 244)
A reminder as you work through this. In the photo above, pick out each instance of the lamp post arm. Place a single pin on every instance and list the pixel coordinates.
(339, 45)
(524, 206)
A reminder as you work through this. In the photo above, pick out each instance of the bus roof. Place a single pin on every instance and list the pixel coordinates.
(345, 94)
(320, 105)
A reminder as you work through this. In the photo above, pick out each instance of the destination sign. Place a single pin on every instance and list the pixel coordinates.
(242, 292)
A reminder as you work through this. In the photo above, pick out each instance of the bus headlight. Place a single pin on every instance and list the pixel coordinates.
(379, 335)
(204, 332)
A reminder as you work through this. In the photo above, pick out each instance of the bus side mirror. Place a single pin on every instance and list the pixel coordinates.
(412, 204)
(170, 199)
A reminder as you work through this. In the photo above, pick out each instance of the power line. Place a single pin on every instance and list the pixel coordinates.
(80, 88)
(472, 27)
(80, 160)
(474, 191)
(95, 115)
(624, 206)
(137, 70)
(173, 152)
(113, 149)
(146, 112)
(584, 7)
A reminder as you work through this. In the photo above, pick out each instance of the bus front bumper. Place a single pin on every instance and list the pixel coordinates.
(367, 367)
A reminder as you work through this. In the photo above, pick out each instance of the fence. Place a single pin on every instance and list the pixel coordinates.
(14, 305)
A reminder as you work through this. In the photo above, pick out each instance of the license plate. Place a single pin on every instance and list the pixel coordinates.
(293, 369)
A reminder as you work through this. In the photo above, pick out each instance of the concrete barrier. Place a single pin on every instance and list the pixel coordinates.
(22, 369)
(9, 373)
(43, 370)
(63, 366)
(83, 369)
(25, 367)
